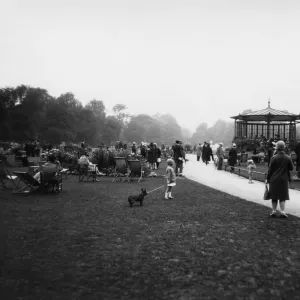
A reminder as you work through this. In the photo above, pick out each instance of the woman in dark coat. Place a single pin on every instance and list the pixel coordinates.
(152, 156)
(208, 154)
(279, 178)
(158, 160)
(232, 157)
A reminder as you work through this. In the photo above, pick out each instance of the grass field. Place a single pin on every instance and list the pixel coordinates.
(87, 243)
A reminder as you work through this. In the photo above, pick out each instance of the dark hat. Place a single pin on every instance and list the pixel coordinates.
(177, 142)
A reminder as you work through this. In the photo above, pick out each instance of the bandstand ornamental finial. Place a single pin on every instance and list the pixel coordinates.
(269, 103)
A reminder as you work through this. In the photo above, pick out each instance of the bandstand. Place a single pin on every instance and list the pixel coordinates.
(267, 123)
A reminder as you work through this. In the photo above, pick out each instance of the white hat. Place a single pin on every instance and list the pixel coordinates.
(221, 144)
(234, 145)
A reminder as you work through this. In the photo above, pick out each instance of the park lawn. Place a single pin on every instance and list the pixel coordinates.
(87, 243)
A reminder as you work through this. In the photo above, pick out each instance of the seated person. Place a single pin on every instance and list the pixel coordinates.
(83, 160)
(49, 167)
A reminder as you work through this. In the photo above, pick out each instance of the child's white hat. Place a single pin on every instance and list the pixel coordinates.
(170, 161)
(250, 161)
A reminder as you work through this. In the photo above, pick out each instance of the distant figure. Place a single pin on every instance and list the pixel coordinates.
(133, 148)
(220, 154)
(178, 156)
(251, 167)
(199, 151)
(232, 159)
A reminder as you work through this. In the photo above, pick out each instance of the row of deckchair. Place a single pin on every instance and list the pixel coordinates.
(128, 168)
(25, 183)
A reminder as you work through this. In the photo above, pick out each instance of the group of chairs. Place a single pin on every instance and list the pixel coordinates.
(127, 168)
(25, 183)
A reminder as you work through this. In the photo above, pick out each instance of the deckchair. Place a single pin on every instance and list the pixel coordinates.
(86, 172)
(5, 174)
(136, 169)
(53, 180)
(121, 168)
(31, 184)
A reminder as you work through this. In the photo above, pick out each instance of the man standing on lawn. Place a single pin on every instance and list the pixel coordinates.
(178, 156)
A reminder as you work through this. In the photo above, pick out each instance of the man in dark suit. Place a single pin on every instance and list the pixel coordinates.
(178, 156)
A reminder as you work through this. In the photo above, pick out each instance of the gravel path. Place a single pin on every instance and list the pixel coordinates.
(235, 185)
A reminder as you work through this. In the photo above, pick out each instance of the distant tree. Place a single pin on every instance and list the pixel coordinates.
(112, 130)
(119, 112)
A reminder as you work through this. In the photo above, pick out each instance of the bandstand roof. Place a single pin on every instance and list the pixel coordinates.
(266, 114)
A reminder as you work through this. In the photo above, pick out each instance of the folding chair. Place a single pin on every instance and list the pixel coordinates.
(136, 169)
(53, 180)
(121, 168)
(5, 174)
(86, 171)
(31, 184)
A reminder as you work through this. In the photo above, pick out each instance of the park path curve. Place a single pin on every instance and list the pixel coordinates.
(234, 185)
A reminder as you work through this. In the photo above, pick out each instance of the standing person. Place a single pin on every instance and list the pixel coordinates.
(171, 179)
(297, 151)
(178, 156)
(133, 148)
(270, 152)
(158, 157)
(155, 155)
(251, 167)
(232, 159)
(199, 151)
(151, 156)
(208, 154)
(220, 154)
(204, 151)
(279, 178)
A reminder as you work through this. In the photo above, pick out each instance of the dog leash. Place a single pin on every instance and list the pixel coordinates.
(156, 189)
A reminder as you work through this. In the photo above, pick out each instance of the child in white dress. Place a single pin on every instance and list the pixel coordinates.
(171, 179)
(251, 167)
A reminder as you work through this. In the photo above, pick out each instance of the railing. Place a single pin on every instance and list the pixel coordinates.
(261, 176)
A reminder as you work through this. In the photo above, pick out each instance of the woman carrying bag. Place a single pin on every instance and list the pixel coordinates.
(279, 178)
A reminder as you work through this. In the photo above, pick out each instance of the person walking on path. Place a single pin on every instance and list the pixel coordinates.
(220, 154)
(232, 159)
(208, 154)
(199, 151)
(204, 151)
(279, 178)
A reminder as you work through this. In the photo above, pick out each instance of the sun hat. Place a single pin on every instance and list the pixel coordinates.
(250, 161)
(280, 145)
(221, 144)
(170, 162)
(233, 145)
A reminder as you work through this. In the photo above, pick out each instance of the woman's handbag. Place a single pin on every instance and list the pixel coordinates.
(267, 193)
(159, 159)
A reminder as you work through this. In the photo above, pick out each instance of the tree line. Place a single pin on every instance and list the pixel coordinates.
(27, 113)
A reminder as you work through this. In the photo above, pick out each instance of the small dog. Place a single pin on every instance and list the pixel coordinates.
(137, 198)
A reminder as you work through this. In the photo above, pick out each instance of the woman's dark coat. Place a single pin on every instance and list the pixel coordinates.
(152, 155)
(279, 176)
(232, 157)
(207, 153)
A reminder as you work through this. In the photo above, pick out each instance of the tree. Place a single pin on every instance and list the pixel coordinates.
(112, 130)
(119, 111)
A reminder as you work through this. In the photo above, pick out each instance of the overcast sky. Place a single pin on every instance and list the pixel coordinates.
(198, 60)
